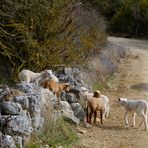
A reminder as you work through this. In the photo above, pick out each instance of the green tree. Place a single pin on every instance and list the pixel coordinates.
(128, 17)
(131, 18)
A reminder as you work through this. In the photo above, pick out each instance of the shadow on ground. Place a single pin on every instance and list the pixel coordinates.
(140, 87)
(106, 127)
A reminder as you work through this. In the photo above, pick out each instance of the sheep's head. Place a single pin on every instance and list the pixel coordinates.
(66, 87)
(122, 101)
(46, 74)
(49, 71)
(97, 94)
(83, 91)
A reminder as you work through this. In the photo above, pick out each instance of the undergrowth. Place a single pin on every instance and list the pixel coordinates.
(55, 133)
(101, 85)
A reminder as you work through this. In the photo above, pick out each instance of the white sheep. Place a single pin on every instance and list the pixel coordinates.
(87, 95)
(28, 76)
(106, 103)
(139, 107)
(53, 77)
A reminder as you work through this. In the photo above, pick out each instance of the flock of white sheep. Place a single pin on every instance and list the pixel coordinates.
(95, 101)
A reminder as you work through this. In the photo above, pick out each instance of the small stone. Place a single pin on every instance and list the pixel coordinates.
(81, 131)
(87, 125)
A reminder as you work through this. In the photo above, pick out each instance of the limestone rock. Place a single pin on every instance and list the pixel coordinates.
(11, 108)
(6, 141)
(78, 111)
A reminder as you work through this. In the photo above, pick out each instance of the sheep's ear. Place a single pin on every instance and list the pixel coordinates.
(84, 89)
(67, 84)
(49, 71)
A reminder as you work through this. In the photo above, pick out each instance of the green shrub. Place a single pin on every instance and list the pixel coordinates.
(98, 85)
(130, 18)
(101, 85)
(30, 145)
(124, 17)
(36, 34)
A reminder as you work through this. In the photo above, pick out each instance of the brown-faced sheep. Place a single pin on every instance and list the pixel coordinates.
(95, 104)
(86, 95)
(55, 87)
(105, 100)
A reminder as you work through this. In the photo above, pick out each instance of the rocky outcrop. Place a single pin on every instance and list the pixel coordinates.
(23, 114)
(23, 100)
(7, 141)
(11, 108)
(16, 125)
(68, 113)
(78, 111)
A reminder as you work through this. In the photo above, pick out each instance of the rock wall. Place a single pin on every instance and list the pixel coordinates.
(21, 109)
(23, 114)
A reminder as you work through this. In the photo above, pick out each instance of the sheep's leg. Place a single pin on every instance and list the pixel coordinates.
(58, 96)
(126, 118)
(101, 117)
(107, 112)
(87, 118)
(87, 114)
(95, 115)
(140, 123)
(146, 124)
(90, 116)
(104, 114)
(26, 79)
(145, 121)
(37, 80)
(58, 102)
(133, 119)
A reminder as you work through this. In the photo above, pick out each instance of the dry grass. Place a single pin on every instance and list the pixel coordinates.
(113, 134)
(56, 132)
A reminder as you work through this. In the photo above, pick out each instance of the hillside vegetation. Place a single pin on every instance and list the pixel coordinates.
(39, 34)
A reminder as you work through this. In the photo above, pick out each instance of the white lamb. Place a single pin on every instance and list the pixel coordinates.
(87, 95)
(28, 76)
(53, 77)
(139, 107)
(106, 103)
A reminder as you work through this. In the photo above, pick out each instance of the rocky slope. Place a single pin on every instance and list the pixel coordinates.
(22, 109)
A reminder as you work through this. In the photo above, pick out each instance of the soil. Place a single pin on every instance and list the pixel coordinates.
(131, 81)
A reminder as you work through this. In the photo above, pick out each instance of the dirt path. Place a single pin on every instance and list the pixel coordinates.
(130, 81)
